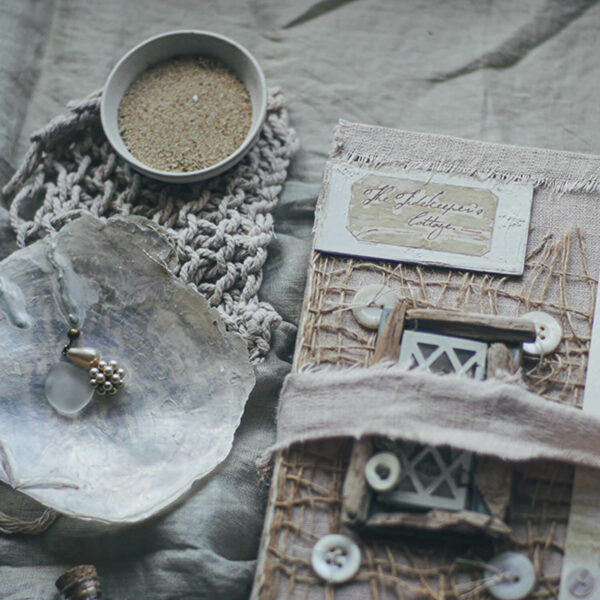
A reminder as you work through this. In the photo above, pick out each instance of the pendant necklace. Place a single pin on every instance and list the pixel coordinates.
(70, 386)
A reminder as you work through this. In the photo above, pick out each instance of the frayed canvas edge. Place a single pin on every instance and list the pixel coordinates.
(481, 172)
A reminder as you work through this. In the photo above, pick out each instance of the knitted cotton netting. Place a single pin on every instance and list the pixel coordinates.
(220, 228)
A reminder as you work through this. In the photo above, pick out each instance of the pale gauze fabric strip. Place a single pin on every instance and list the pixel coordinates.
(492, 417)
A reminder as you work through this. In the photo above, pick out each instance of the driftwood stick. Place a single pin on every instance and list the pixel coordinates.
(355, 494)
(492, 328)
(499, 360)
(388, 344)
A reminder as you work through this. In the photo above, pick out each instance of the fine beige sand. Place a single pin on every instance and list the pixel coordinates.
(185, 114)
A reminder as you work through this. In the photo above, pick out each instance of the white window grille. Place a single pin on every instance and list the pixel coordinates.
(443, 354)
(436, 477)
(431, 478)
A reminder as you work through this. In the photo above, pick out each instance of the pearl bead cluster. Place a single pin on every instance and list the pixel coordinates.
(106, 377)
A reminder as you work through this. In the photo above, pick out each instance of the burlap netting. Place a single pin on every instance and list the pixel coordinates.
(560, 278)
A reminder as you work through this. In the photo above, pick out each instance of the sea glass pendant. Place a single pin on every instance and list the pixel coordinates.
(68, 388)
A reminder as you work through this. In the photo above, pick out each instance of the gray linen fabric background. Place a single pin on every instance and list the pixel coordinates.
(511, 71)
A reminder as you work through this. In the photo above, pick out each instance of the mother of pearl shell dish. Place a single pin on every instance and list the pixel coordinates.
(123, 457)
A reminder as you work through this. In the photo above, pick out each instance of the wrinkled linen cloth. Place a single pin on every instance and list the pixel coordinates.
(507, 71)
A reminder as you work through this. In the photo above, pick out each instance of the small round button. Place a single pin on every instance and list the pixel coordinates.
(510, 576)
(382, 471)
(335, 558)
(548, 333)
(369, 301)
(580, 582)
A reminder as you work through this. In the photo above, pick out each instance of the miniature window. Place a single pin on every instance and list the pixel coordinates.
(439, 479)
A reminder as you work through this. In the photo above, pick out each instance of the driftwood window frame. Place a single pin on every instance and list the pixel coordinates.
(505, 336)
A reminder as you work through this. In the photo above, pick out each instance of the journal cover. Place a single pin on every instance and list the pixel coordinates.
(462, 236)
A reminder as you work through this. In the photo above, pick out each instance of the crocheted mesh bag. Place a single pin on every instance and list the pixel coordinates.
(220, 228)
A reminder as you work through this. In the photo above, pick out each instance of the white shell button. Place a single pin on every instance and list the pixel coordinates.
(335, 558)
(548, 330)
(368, 302)
(382, 471)
(511, 576)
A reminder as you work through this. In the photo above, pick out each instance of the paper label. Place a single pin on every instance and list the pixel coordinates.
(427, 218)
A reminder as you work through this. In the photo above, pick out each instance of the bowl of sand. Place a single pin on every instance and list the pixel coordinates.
(184, 106)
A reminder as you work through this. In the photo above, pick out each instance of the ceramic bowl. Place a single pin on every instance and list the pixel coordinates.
(178, 43)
